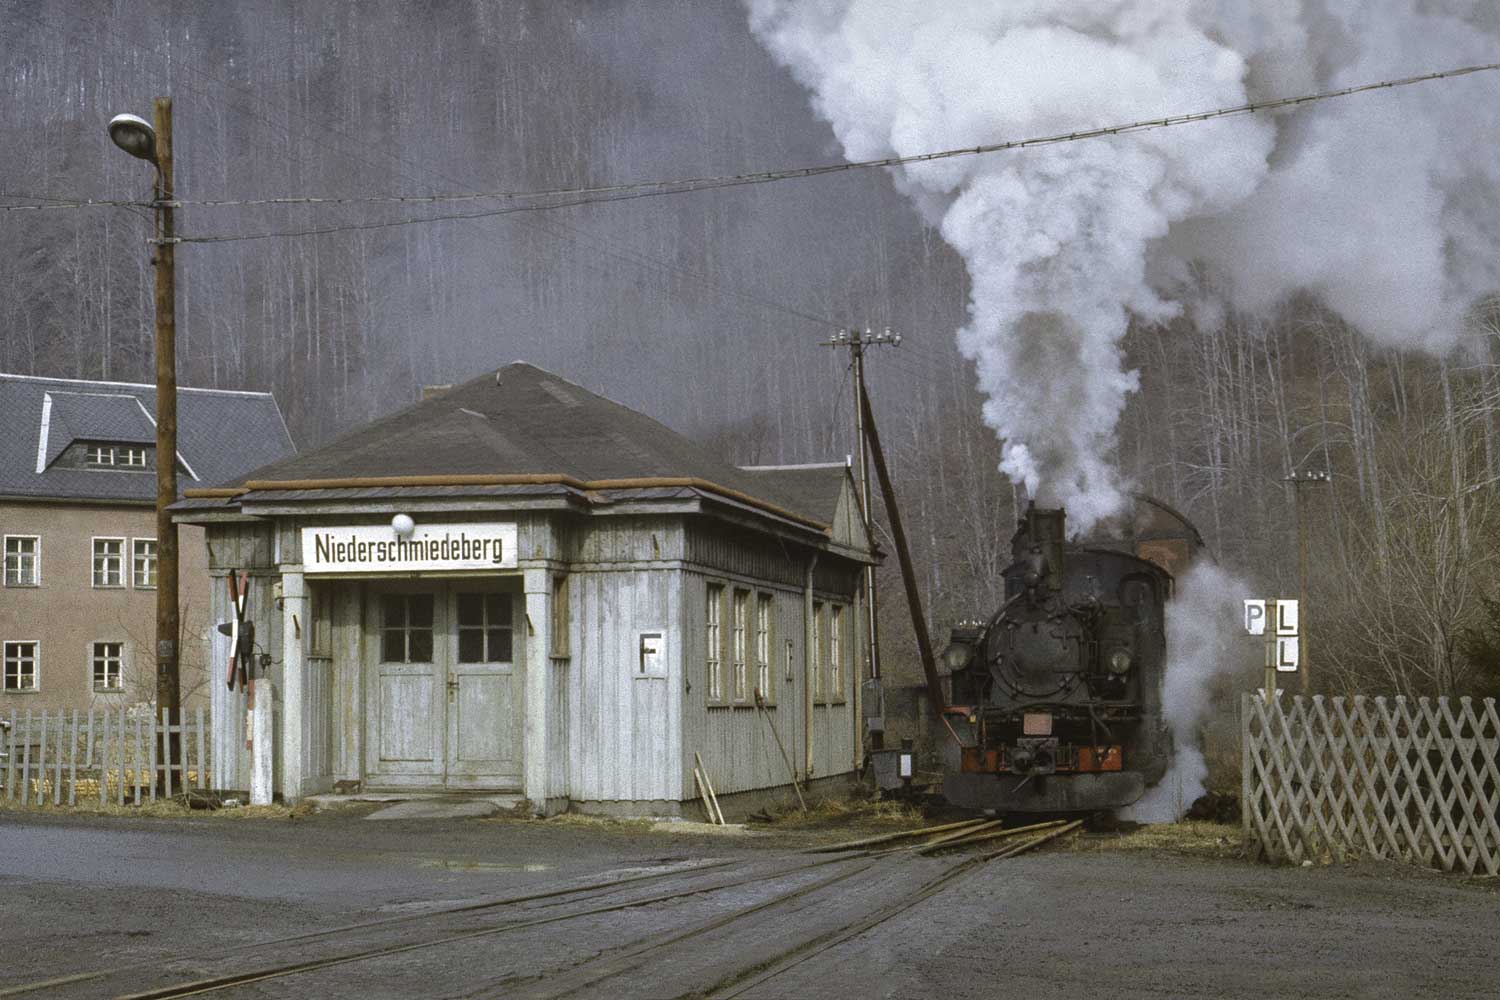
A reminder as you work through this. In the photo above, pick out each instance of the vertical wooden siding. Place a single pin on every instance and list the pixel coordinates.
(623, 725)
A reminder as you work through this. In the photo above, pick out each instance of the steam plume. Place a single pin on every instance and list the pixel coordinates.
(1374, 203)
(1202, 626)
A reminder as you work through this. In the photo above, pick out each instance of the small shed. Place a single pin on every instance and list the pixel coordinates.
(517, 585)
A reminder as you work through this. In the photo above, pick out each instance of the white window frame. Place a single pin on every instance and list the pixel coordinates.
(36, 666)
(739, 645)
(131, 451)
(836, 652)
(714, 637)
(94, 557)
(99, 454)
(36, 560)
(121, 660)
(765, 674)
(155, 564)
(818, 638)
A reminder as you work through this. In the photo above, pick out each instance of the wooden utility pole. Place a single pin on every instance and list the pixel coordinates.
(856, 342)
(1299, 481)
(168, 624)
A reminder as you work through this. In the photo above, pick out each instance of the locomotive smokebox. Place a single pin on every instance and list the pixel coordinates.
(1039, 541)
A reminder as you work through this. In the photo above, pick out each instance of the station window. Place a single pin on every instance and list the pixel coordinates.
(143, 563)
(99, 454)
(21, 666)
(109, 562)
(763, 607)
(109, 661)
(484, 628)
(562, 615)
(22, 561)
(715, 642)
(815, 657)
(836, 654)
(739, 623)
(406, 628)
(133, 457)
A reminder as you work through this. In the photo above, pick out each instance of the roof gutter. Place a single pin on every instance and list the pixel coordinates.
(513, 479)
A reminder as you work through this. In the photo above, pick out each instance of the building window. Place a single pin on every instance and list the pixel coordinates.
(109, 562)
(836, 654)
(763, 606)
(406, 628)
(22, 567)
(109, 658)
(143, 563)
(133, 457)
(484, 632)
(99, 454)
(739, 624)
(815, 658)
(715, 647)
(21, 666)
(562, 615)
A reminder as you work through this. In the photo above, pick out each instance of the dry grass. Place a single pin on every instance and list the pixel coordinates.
(848, 812)
(163, 810)
(1199, 840)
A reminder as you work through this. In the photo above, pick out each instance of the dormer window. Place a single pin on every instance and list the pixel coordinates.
(97, 455)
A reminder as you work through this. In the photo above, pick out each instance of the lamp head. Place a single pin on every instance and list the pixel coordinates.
(135, 135)
(403, 525)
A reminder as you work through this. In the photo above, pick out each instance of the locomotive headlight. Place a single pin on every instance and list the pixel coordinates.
(957, 656)
(1119, 663)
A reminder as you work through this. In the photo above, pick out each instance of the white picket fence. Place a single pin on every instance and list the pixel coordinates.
(115, 755)
(1414, 780)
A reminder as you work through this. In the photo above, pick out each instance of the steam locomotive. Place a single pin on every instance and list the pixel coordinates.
(1057, 698)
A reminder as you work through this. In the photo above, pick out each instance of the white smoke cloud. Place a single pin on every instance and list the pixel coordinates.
(1203, 627)
(1382, 204)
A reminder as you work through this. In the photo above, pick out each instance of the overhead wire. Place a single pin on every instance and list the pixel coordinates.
(692, 184)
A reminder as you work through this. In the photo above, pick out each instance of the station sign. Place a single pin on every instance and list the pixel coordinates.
(376, 548)
(1284, 621)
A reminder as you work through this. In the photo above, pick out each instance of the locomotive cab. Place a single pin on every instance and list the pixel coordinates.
(1060, 691)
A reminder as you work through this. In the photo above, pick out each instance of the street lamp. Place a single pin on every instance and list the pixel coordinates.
(153, 144)
(135, 135)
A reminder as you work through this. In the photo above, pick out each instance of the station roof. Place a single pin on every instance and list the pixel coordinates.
(219, 433)
(524, 430)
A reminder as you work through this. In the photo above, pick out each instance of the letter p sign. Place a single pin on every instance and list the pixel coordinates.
(1255, 617)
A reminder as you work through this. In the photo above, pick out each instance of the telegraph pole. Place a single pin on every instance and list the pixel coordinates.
(1299, 481)
(856, 342)
(153, 143)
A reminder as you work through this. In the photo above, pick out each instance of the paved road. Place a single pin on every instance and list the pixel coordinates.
(154, 903)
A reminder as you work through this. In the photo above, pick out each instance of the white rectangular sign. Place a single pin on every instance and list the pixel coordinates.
(1288, 656)
(1255, 617)
(1286, 617)
(375, 548)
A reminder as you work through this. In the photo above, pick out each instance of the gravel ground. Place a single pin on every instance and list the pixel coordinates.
(81, 894)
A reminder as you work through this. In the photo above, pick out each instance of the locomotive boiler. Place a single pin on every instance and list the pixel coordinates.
(1056, 700)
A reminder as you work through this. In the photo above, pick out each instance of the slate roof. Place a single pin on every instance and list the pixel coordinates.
(522, 420)
(219, 433)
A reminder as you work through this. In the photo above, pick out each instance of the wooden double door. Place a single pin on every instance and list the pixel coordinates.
(443, 704)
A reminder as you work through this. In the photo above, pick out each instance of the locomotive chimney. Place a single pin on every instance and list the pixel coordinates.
(1039, 539)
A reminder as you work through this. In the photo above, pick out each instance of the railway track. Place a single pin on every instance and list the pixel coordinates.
(789, 911)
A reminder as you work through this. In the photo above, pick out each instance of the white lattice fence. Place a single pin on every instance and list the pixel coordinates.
(1416, 780)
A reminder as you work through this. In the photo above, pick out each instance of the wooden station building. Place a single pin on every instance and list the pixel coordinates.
(517, 585)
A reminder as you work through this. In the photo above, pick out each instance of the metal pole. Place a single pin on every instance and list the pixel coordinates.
(168, 684)
(1306, 665)
(871, 613)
